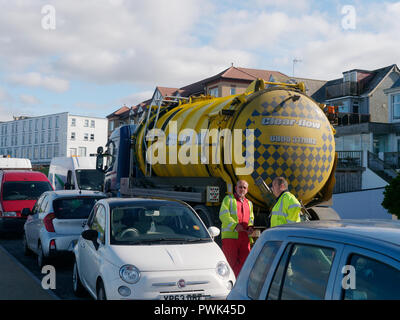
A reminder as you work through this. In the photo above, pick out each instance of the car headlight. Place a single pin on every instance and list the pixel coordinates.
(129, 274)
(222, 269)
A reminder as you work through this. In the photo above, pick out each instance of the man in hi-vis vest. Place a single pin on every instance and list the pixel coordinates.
(237, 217)
(287, 208)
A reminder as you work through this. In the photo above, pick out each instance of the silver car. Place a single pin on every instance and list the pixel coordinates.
(316, 260)
(56, 221)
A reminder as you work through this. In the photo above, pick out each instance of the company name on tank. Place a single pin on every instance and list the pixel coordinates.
(291, 122)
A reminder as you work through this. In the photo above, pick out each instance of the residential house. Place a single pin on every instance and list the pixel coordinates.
(366, 130)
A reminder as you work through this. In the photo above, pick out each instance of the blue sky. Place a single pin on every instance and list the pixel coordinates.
(103, 54)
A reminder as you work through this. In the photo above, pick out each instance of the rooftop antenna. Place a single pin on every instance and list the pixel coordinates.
(295, 60)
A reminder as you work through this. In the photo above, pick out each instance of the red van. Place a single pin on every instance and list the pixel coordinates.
(19, 189)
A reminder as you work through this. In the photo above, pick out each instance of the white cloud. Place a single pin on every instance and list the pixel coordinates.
(35, 79)
(135, 98)
(28, 99)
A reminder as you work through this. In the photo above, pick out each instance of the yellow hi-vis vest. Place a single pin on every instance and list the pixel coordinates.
(229, 218)
(286, 210)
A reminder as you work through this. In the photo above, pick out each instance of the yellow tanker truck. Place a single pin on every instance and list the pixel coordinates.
(196, 150)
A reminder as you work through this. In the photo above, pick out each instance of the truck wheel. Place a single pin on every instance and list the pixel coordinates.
(205, 215)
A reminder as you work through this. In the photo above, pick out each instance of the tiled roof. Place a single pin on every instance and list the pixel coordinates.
(396, 84)
(165, 91)
(314, 88)
(234, 73)
(118, 112)
(371, 82)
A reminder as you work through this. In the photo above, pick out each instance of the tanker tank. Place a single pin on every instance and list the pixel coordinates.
(270, 130)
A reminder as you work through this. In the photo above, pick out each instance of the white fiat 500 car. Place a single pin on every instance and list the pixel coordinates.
(149, 249)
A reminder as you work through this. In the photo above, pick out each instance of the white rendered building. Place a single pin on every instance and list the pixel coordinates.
(55, 135)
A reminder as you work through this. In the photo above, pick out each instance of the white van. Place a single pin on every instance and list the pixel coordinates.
(79, 173)
(15, 163)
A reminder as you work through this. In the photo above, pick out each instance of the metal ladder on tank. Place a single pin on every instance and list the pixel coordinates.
(161, 102)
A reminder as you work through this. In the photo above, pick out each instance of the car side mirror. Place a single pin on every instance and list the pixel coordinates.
(26, 212)
(214, 232)
(91, 235)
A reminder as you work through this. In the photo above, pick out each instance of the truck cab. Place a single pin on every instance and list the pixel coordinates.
(118, 161)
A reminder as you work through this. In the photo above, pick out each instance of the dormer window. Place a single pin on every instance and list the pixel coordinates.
(350, 76)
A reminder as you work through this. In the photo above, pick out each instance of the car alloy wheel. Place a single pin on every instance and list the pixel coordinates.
(77, 286)
(41, 259)
(27, 251)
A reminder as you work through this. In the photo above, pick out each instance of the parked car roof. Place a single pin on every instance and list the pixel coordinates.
(73, 193)
(378, 230)
(115, 201)
(20, 175)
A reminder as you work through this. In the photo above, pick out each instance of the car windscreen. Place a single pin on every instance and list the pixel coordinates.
(24, 190)
(90, 179)
(155, 223)
(74, 208)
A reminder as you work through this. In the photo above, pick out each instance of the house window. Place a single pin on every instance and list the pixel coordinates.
(344, 106)
(56, 150)
(57, 121)
(213, 92)
(42, 152)
(111, 125)
(233, 90)
(42, 137)
(49, 151)
(56, 133)
(72, 152)
(72, 135)
(43, 123)
(36, 137)
(396, 106)
(73, 122)
(82, 151)
(36, 124)
(86, 123)
(92, 137)
(50, 123)
(49, 136)
(92, 123)
(86, 137)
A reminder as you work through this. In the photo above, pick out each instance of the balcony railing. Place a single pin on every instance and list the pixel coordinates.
(344, 89)
(380, 168)
(392, 160)
(347, 118)
(350, 159)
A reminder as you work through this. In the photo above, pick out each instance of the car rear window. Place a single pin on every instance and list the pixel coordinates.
(24, 190)
(74, 208)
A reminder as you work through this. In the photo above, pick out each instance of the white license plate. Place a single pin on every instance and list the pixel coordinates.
(192, 296)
